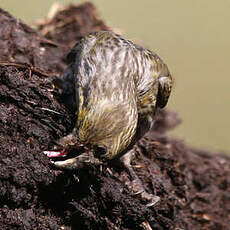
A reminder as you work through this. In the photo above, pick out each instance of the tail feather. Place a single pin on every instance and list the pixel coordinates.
(164, 90)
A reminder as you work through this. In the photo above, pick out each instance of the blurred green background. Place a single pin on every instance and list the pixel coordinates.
(193, 38)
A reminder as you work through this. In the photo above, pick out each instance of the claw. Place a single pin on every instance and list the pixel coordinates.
(152, 199)
(138, 190)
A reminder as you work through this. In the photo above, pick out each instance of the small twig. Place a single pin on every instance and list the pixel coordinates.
(145, 225)
(138, 166)
(50, 110)
(32, 102)
(32, 69)
(47, 41)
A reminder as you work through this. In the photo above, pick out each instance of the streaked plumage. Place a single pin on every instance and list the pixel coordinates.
(118, 87)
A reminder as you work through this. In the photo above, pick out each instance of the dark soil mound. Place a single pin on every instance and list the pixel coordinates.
(194, 185)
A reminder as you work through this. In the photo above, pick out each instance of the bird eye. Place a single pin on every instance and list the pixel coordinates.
(100, 150)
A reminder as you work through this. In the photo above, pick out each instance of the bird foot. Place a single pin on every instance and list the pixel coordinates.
(137, 189)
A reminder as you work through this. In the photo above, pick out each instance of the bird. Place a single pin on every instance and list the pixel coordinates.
(115, 87)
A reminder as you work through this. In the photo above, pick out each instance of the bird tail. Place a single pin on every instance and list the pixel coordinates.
(164, 90)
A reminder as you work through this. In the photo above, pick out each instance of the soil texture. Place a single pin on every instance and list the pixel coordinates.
(194, 185)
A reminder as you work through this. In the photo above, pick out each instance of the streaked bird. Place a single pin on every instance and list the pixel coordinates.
(116, 88)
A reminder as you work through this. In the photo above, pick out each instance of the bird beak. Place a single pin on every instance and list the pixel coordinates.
(80, 161)
(56, 153)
